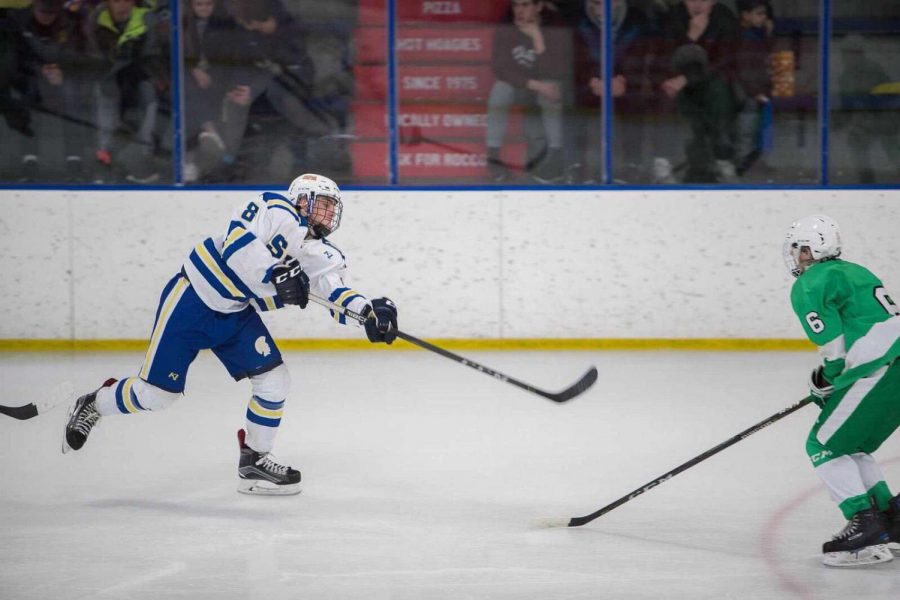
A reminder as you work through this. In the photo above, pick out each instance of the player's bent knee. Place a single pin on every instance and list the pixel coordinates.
(272, 385)
(154, 398)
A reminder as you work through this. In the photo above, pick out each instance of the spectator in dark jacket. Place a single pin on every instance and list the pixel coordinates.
(701, 47)
(632, 37)
(753, 86)
(273, 63)
(51, 58)
(15, 114)
(123, 41)
(211, 47)
(529, 62)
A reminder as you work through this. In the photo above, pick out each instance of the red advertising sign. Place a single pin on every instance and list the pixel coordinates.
(417, 121)
(431, 160)
(479, 11)
(374, 12)
(426, 45)
(457, 82)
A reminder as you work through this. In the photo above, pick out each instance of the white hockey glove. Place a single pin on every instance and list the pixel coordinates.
(819, 387)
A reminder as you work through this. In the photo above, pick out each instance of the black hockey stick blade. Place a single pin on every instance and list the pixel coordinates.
(576, 389)
(578, 521)
(62, 392)
(20, 412)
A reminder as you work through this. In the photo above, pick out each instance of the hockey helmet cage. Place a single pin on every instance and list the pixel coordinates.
(819, 233)
(317, 198)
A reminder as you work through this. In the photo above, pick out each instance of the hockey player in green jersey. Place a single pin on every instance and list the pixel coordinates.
(846, 312)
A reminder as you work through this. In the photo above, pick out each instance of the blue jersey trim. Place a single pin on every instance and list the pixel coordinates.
(237, 281)
(236, 245)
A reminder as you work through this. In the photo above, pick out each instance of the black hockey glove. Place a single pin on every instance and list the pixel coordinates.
(291, 283)
(381, 321)
(819, 387)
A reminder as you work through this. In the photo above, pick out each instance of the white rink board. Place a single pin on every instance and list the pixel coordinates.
(494, 265)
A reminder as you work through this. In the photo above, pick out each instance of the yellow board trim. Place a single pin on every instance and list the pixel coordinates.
(455, 344)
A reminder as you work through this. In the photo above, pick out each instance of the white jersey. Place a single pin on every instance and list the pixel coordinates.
(230, 271)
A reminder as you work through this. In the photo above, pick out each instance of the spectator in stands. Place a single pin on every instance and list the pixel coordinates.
(632, 39)
(867, 110)
(123, 40)
(209, 36)
(700, 39)
(51, 59)
(15, 113)
(753, 87)
(274, 65)
(530, 60)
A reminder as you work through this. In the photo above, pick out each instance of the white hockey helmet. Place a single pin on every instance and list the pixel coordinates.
(819, 233)
(317, 198)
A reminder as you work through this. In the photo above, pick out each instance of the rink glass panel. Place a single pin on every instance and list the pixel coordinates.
(864, 77)
(62, 103)
(287, 96)
(322, 104)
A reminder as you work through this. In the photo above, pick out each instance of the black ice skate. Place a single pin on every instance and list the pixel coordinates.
(82, 418)
(893, 521)
(260, 474)
(863, 541)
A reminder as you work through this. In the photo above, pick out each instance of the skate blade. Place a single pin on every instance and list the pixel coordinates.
(256, 487)
(871, 555)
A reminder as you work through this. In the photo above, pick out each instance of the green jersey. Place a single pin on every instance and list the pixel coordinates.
(847, 313)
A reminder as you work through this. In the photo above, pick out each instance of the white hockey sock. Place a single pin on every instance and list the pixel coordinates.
(868, 469)
(263, 419)
(842, 478)
(132, 395)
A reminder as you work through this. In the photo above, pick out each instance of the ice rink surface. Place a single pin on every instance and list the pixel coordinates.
(421, 479)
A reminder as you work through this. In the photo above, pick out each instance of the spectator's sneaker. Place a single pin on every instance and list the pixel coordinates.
(75, 169)
(725, 172)
(497, 170)
(190, 172)
(30, 169)
(551, 168)
(211, 142)
(104, 157)
(143, 172)
(662, 171)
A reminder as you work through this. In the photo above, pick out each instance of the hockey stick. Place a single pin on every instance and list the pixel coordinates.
(577, 521)
(61, 392)
(577, 388)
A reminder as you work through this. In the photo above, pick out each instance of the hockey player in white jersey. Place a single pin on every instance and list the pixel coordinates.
(272, 253)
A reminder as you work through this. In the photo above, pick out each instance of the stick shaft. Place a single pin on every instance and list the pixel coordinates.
(577, 521)
(586, 381)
